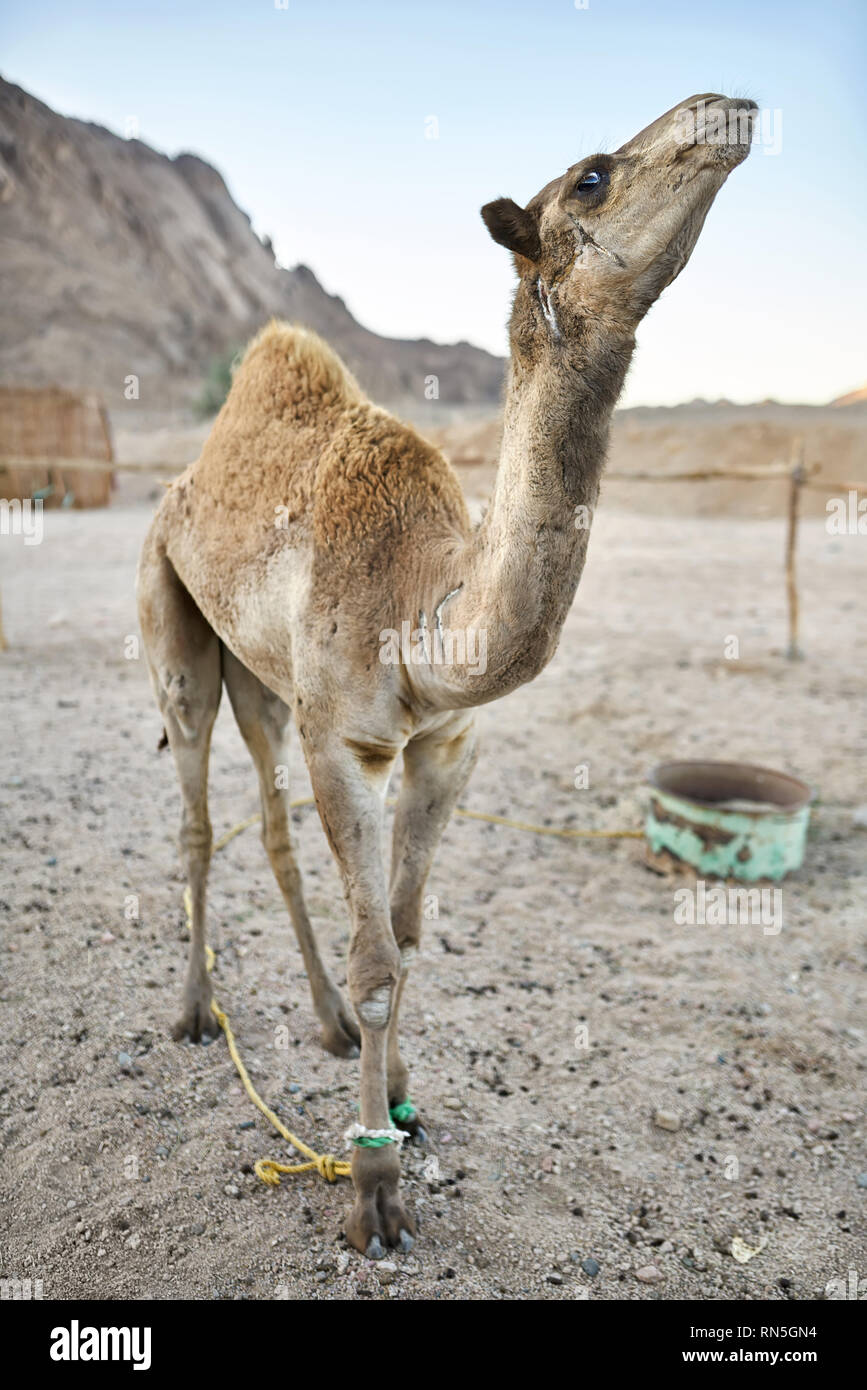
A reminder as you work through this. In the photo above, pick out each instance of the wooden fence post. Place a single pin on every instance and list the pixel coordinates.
(797, 477)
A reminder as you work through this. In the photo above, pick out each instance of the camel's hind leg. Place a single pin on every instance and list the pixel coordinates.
(183, 654)
(263, 719)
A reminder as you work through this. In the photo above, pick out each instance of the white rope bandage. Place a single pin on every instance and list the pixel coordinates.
(389, 1136)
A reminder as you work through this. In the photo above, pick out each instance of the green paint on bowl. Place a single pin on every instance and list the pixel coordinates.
(729, 820)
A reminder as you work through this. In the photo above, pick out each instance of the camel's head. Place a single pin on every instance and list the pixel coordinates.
(605, 238)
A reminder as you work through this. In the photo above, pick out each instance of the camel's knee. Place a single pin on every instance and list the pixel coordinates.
(375, 1009)
(372, 982)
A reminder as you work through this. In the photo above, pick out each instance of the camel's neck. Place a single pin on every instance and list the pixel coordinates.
(523, 565)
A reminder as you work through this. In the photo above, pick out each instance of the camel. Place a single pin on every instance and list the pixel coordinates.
(314, 522)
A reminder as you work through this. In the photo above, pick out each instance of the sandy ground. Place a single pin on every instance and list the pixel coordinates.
(127, 1169)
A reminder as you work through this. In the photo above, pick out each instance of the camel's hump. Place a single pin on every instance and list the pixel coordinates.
(287, 367)
(287, 394)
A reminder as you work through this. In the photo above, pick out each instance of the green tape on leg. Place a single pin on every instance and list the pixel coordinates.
(405, 1111)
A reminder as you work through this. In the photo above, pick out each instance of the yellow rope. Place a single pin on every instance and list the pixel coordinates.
(268, 1169)
(565, 832)
(329, 1167)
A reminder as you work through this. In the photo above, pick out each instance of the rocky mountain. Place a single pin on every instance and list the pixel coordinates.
(117, 261)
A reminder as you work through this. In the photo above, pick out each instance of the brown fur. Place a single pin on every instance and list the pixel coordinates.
(313, 521)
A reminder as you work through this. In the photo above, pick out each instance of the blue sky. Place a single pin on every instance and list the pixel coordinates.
(317, 116)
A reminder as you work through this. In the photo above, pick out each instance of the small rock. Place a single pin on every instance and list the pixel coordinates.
(124, 1061)
(861, 1180)
(231, 1191)
(452, 1103)
(648, 1274)
(743, 1252)
(134, 1241)
(859, 817)
(590, 1266)
(554, 1278)
(666, 1119)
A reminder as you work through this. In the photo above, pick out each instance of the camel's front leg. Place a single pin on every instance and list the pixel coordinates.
(435, 770)
(349, 783)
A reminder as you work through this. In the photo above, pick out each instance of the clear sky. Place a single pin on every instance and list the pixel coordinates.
(318, 115)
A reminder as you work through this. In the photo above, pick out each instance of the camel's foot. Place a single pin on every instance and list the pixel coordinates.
(411, 1125)
(379, 1218)
(196, 1022)
(340, 1035)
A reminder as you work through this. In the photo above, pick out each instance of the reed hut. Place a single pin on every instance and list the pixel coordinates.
(54, 445)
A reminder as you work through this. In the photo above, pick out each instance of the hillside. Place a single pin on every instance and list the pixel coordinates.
(118, 260)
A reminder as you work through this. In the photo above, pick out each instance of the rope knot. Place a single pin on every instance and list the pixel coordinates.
(266, 1169)
(326, 1167)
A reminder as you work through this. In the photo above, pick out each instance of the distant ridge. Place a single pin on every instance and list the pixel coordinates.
(853, 397)
(117, 260)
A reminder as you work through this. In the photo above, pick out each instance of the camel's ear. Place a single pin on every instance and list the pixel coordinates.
(513, 227)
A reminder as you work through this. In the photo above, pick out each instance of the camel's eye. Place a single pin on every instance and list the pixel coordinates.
(589, 182)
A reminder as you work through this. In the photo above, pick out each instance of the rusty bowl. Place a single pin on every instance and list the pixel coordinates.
(729, 820)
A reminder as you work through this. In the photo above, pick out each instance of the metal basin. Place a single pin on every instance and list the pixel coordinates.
(729, 820)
